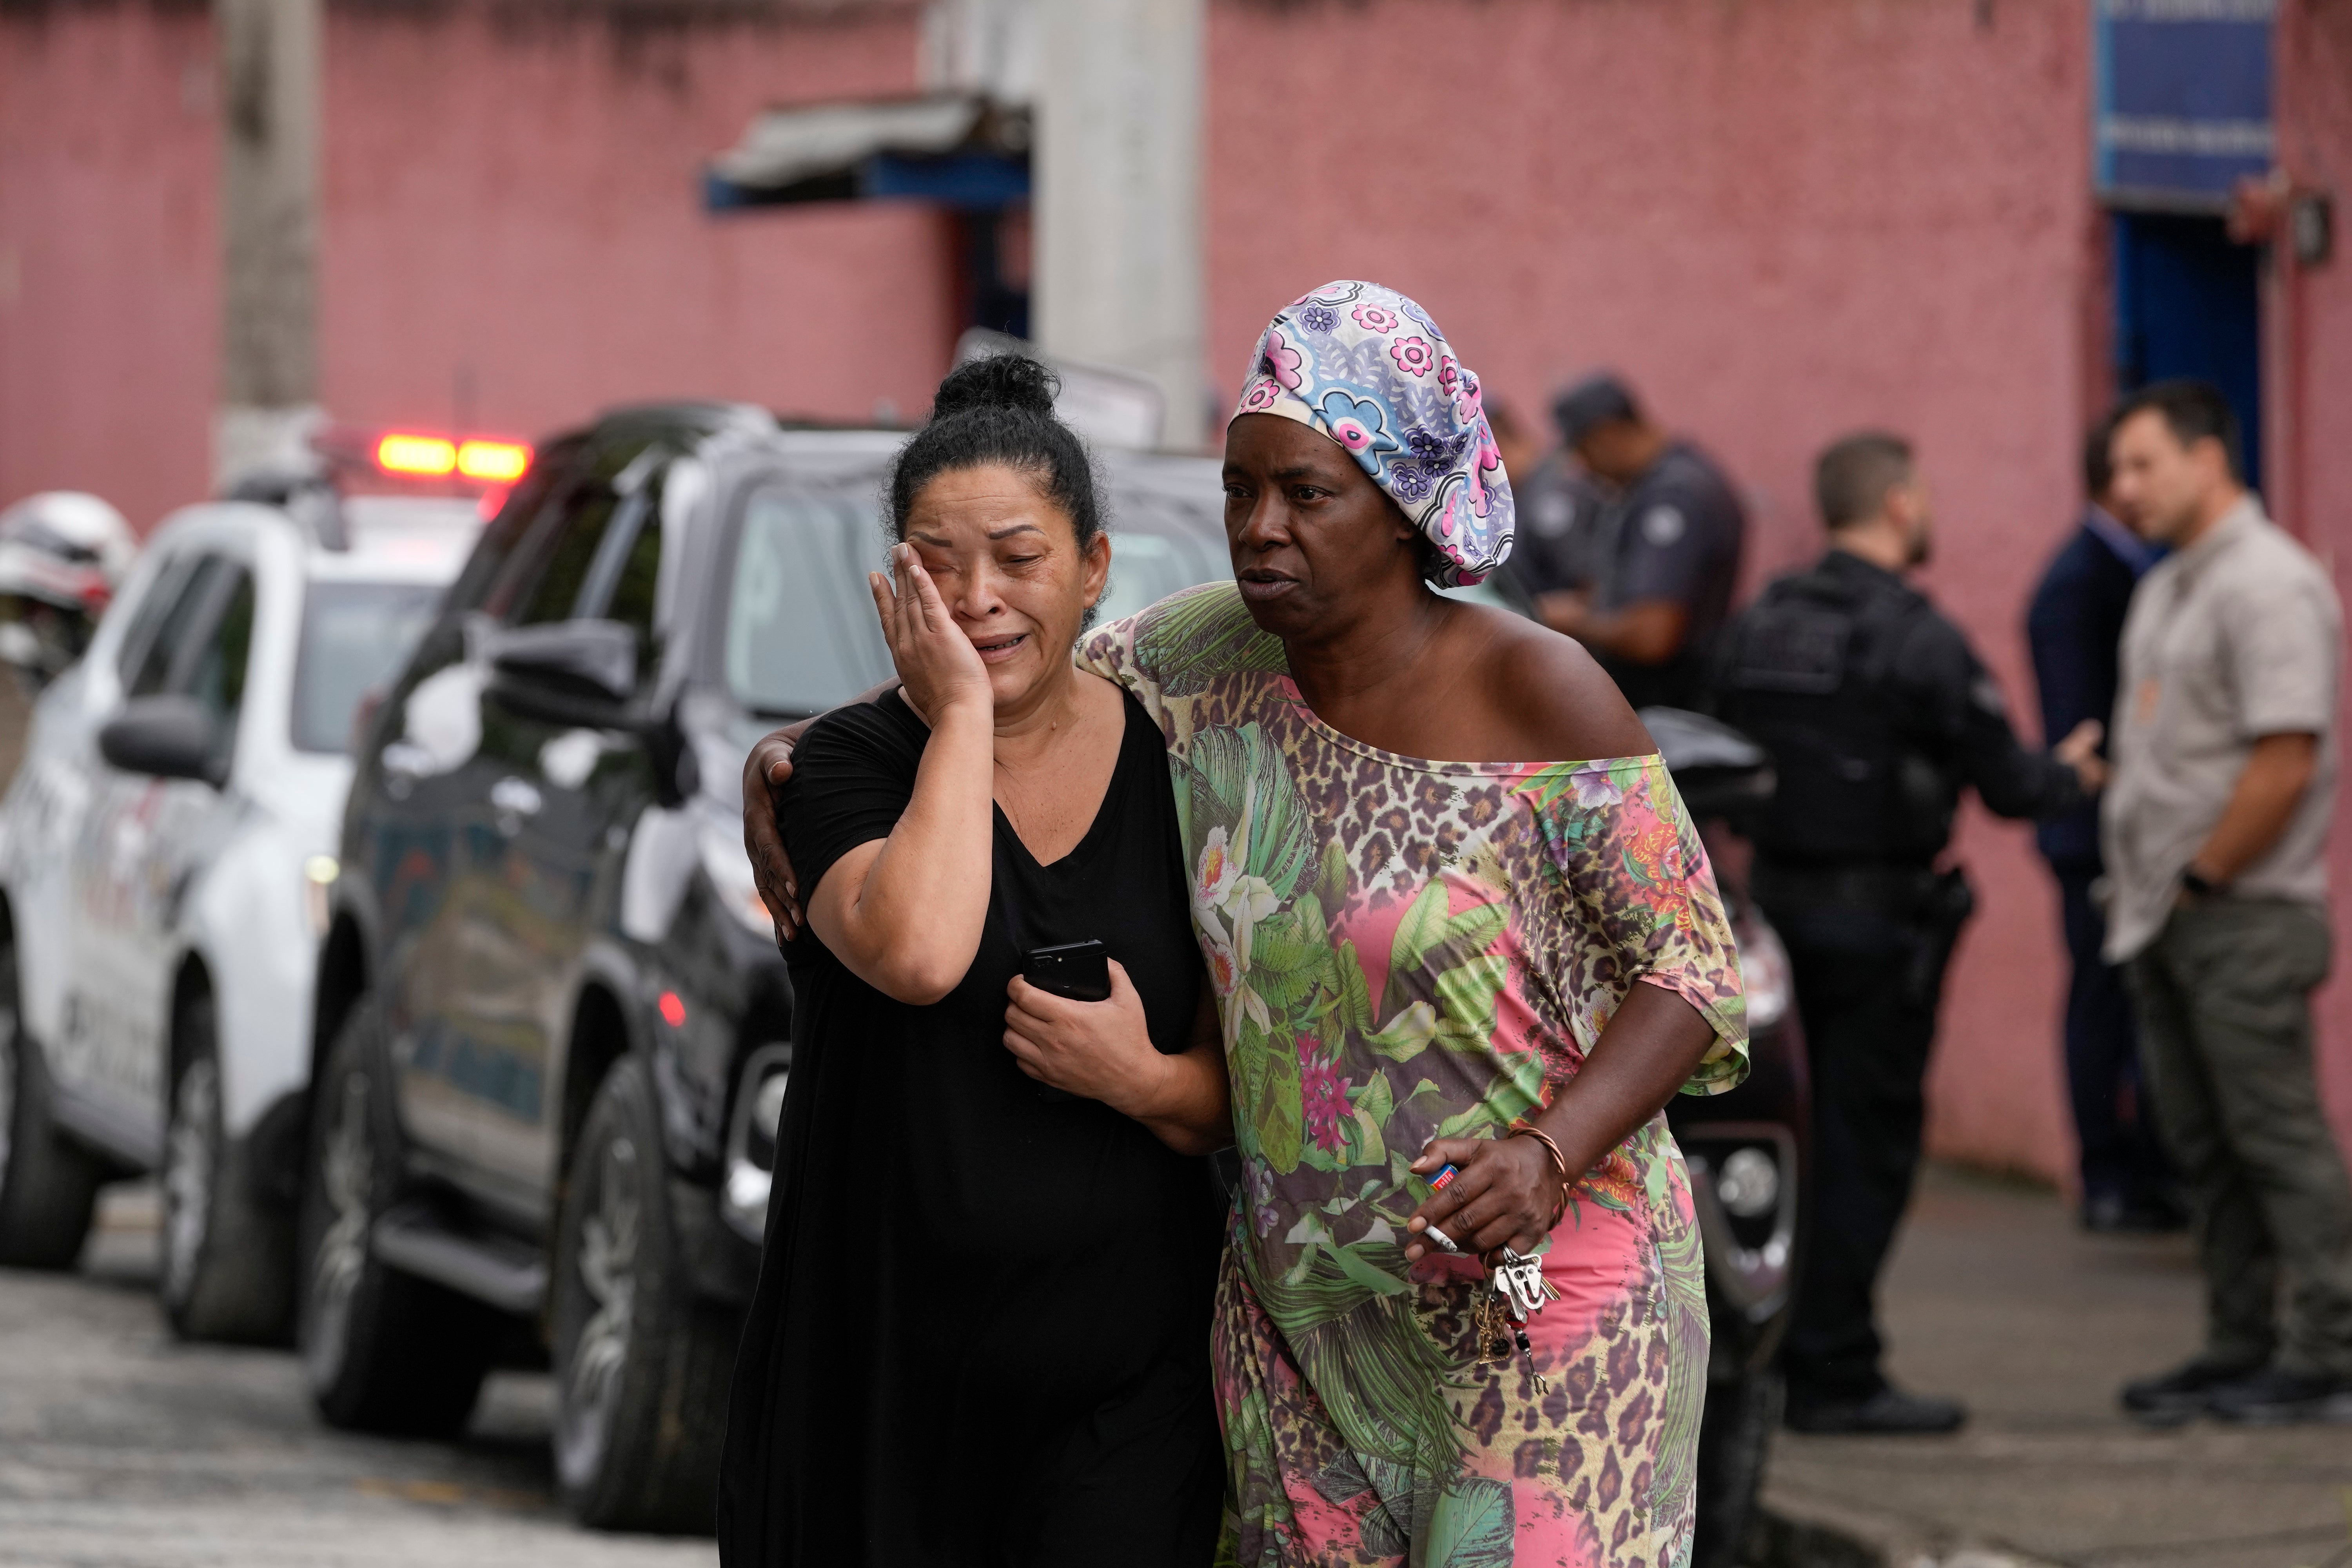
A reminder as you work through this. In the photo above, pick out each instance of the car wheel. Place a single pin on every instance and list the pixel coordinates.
(1735, 1440)
(641, 1367)
(382, 1351)
(49, 1186)
(225, 1265)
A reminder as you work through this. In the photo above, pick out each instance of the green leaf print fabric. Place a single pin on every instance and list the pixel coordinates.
(1402, 951)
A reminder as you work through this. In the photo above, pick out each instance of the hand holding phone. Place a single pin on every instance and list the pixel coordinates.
(1079, 970)
(1076, 1025)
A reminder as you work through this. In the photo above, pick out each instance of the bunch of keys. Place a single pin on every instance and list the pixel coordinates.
(1517, 1292)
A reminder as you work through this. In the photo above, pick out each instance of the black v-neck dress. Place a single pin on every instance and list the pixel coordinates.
(980, 1336)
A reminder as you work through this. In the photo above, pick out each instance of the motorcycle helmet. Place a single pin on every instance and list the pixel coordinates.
(62, 554)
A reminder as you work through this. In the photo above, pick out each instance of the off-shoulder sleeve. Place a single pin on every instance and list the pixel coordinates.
(1621, 837)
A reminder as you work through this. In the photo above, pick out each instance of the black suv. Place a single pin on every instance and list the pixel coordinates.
(553, 1027)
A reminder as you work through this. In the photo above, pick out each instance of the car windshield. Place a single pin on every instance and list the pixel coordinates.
(1147, 568)
(354, 634)
(801, 633)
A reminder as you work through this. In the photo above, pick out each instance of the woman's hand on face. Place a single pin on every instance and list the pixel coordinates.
(937, 663)
(1507, 1194)
(1097, 1051)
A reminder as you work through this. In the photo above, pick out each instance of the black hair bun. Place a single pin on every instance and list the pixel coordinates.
(999, 380)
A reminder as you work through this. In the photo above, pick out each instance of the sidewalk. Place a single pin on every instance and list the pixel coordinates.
(1996, 1296)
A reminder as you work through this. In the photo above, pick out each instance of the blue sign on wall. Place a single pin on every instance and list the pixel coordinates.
(2183, 105)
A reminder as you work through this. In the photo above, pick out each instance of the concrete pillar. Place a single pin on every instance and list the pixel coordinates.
(1116, 171)
(270, 64)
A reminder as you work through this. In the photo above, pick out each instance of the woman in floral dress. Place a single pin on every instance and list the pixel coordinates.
(1415, 960)
(1408, 950)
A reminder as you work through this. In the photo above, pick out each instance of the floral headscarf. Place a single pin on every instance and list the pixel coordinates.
(1367, 367)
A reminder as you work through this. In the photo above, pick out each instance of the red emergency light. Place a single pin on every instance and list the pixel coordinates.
(432, 456)
(493, 462)
(419, 455)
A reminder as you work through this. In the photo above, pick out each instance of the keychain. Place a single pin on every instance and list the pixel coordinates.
(1517, 1292)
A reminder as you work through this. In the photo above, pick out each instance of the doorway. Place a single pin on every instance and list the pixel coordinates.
(2187, 304)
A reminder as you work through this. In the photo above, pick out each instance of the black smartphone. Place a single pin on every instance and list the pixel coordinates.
(1079, 970)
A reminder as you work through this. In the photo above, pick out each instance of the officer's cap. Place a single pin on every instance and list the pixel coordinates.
(1586, 405)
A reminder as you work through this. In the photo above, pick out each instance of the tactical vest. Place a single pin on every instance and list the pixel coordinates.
(1808, 672)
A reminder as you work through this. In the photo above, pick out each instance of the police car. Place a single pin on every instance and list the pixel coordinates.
(165, 855)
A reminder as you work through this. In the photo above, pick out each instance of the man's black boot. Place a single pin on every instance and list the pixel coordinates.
(2278, 1395)
(1889, 1412)
(2171, 1398)
(2120, 1214)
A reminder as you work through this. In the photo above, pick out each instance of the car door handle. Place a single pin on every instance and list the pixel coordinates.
(514, 799)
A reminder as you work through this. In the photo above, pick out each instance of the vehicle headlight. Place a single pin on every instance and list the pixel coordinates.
(730, 870)
(1744, 1181)
(752, 1140)
(1764, 975)
(1748, 1182)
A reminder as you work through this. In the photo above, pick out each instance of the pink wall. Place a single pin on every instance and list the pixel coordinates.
(1782, 221)
(109, 268)
(517, 210)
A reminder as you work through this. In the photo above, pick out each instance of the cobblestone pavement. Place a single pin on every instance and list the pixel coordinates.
(1994, 1295)
(121, 1448)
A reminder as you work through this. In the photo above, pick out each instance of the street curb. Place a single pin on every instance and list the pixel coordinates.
(1812, 1535)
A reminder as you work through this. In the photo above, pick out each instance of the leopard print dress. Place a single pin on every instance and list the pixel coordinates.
(1404, 949)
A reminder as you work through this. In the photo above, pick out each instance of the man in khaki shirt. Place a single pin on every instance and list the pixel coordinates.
(2214, 829)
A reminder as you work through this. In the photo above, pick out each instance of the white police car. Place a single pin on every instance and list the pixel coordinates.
(165, 852)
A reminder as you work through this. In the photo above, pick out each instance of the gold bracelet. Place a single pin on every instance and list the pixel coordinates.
(1529, 1130)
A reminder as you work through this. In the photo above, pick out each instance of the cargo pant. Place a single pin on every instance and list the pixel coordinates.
(2223, 998)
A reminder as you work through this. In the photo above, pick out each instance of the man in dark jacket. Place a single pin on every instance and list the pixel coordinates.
(1877, 714)
(2075, 625)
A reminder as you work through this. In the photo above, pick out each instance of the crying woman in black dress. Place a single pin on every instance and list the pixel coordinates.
(981, 1332)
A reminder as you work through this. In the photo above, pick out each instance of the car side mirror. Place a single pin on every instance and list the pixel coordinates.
(166, 737)
(575, 671)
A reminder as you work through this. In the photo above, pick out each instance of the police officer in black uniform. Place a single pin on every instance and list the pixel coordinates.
(1634, 548)
(1877, 712)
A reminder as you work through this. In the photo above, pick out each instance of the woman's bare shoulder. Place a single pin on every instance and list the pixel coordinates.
(1563, 702)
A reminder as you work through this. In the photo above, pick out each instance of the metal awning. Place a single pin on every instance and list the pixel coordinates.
(959, 149)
